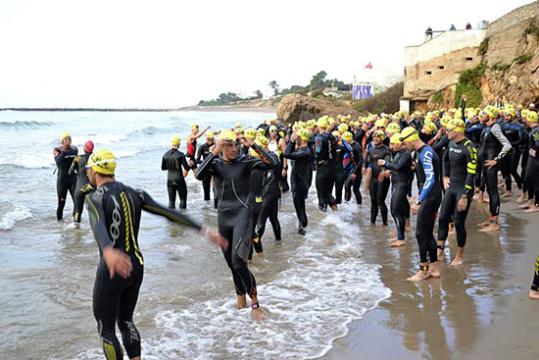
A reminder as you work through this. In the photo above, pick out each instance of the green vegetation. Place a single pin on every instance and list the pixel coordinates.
(524, 58)
(229, 97)
(318, 81)
(500, 67)
(532, 29)
(483, 47)
(438, 97)
(387, 101)
(469, 84)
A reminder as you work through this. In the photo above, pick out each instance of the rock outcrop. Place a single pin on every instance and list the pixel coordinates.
(296, 107)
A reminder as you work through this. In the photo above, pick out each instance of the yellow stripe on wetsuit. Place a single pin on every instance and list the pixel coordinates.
(129, 232)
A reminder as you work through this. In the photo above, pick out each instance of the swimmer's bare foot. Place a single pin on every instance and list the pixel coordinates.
(408, 225)
(420, 276)
(490, 227)
(526, 205)
(480, 197)
(459, 258)
(257, 313)
(532, 209)
(333, 207)
(521, 198)
(452, 229)
(397, 243)
(441, 249)
(241, 301)
(433, 270)
(260, 254)
(507, 194)
(534, 295)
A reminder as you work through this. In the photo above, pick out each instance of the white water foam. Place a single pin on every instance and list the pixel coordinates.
(307, 306)
(12, 214)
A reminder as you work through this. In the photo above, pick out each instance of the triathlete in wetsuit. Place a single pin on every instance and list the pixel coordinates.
(172, 162)
(494, 147)
(325, 164)
(402, 176)
(426, 206)
(115, 211)
(514, 132)
(353, 169)
(192, 144)
(270, 196)
(202, 154)
(64, 156)
(299, 151)
(232, 175)
(532, 167)
(83, 187)
(379, 185)
(459, 169)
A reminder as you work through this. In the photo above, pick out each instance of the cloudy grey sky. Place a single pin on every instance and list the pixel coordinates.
(174, 53)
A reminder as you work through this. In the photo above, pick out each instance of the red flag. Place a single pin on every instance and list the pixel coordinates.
(368, 66)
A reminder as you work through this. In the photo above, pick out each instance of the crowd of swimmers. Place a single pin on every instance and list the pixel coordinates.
(454, 155)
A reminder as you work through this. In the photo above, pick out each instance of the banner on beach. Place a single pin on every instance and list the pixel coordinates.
(362, 91)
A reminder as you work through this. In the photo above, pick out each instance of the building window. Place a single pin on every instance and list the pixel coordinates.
(428, 72)
(441, 67)
(469, 59)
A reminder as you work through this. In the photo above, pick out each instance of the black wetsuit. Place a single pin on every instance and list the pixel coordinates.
(428, 166)
(532, 167)
(115, 211)
(325, 155)
(340, 151)
(513, 131)
(173, 160)
(494, 146)
(270, 205)
(202, 154)
(459, 164)
(300, 178)
(378, 188)
(354, 184)
(256, 199)
(65, 181)
(402, 176)
(234, 216)
(83, 187)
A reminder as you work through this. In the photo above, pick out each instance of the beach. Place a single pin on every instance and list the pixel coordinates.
(476, 311)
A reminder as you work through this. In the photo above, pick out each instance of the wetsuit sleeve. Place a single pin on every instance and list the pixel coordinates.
(60, 157)
(185, 164)
(446, 166)
(272, 161)
(440, 144)
(471, 166)
(74, 166)
(368, 159)
(400, 164)
(291, 154)
(151, 206)
(98, 222)
(164, 164)
(506, 145)
(205, 168)
(199, 154)
(425, 158)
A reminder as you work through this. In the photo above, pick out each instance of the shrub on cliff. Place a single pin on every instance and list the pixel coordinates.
(385, 102)
(470, 85)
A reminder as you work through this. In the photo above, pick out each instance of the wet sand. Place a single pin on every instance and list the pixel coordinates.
(477, 311)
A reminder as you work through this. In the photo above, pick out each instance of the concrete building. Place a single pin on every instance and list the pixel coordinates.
(436, 64)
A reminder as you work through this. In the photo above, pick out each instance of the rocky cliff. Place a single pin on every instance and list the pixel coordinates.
(296, 107)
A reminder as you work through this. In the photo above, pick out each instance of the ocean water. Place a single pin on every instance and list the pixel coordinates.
(310, 287)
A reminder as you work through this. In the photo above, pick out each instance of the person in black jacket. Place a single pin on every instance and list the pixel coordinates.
(173, 160)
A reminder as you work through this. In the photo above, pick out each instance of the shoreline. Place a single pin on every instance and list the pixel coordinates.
(459, 315)
(223, 108)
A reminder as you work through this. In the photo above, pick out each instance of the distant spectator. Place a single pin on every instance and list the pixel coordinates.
(531, 106)
(428, 33)
(468, 26)
(452, 28)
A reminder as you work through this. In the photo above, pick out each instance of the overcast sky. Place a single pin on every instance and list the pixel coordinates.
(173, 53)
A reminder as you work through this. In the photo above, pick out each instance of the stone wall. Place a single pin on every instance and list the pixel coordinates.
(513, 18)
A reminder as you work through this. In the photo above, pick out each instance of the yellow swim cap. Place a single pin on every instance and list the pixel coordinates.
(380, 134)
(304, 134)
(227, 135)
(395, 139)
(102, 162)
(509, 110)
(491, 111)
(311, 124)
(262, 141)
(409, 134)
(393, 128)
(380, 123)
(342, 128)
(322, 123)
(175, 141)
(250, 134)
(531, 116)
(194, 126)
(348, 137)
(210, 134)
(336, 134)
(64, 135)
(272, 128)
(430, 127)
(456, 125)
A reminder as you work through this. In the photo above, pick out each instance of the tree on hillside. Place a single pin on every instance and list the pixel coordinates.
(275, 86)
(319, 80)
(258, 94)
